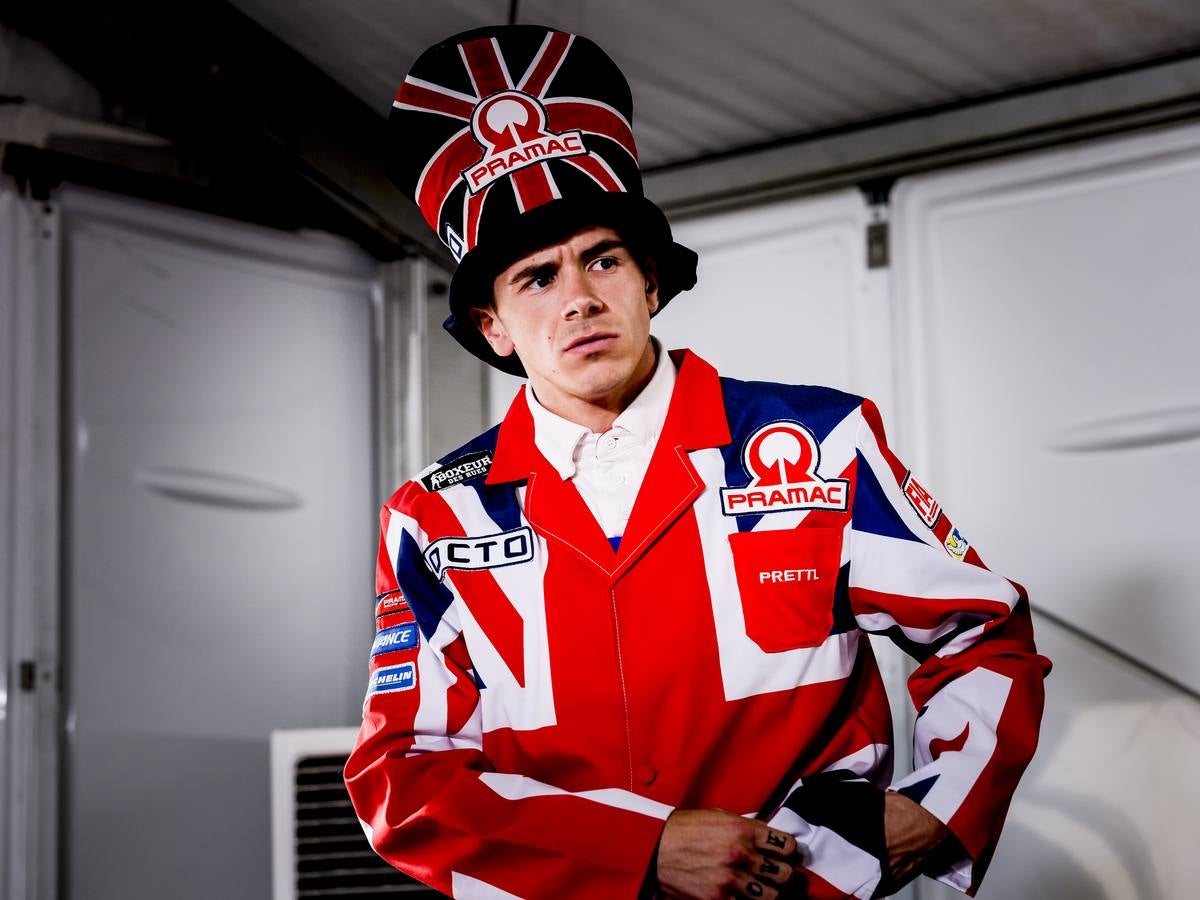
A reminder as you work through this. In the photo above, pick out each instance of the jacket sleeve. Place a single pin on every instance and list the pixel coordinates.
(429, 799)
(978, 686)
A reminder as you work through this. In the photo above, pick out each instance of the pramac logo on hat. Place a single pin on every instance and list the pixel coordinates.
(511, 128)
(782, 458)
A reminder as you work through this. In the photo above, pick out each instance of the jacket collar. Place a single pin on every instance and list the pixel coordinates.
(695, 420)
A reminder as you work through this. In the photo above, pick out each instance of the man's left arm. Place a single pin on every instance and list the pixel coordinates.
(978, 687)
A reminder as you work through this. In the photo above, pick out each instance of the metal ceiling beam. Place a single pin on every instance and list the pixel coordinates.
(1033, 117)
(252, 125)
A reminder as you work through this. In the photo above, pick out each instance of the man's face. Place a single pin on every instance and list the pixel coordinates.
(577, 314)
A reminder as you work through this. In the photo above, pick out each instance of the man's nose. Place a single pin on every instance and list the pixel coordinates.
(580, 299)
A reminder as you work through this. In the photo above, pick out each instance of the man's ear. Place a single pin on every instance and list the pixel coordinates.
(492, 329)
(651, 286)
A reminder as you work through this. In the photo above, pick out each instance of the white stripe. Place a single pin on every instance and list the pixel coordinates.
(464, 887)
(550, 78)
(470, 74)
(746, 669)
(503, 66)
(537, 58)
(445, 91)
(505, 703)
(864, 763)
(604, 165)
(978, 698)
(898, 566)
(553, 184)
(519, 787)
(878, 623)
(844, 865)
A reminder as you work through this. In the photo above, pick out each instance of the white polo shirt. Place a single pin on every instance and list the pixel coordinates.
(608, 468)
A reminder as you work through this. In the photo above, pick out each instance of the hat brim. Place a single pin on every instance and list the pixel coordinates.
(637, 220)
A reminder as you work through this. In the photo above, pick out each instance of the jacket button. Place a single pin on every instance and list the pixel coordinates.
(646, 774)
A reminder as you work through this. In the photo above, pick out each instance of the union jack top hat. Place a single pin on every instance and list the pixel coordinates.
(511, 138)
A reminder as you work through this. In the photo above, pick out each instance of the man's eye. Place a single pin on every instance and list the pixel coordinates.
(604, 263)
(539, 282)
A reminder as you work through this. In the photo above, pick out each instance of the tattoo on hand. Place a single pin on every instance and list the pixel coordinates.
(775, 839)
(754, 889)
(770, 867)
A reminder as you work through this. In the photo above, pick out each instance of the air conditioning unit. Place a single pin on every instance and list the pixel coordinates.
(318, 847)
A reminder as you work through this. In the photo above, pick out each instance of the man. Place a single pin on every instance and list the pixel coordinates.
(621, 637)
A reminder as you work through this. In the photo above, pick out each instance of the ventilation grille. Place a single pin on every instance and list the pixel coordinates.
(333, 858)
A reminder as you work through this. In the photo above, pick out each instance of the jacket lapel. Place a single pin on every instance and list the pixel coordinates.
(695, 419)
(553, 507)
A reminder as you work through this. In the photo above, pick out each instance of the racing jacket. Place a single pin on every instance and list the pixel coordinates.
(539, 702)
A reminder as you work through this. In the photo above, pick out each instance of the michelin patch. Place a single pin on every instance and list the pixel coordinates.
(464, 468)
(386, 679)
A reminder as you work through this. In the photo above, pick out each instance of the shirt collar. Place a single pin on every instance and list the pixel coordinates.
(557, 438)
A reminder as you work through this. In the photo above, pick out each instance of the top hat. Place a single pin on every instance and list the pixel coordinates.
(512, 138)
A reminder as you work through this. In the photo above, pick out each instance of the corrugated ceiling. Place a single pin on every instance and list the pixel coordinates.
(710, 76)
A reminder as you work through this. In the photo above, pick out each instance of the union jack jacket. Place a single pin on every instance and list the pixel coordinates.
(540, 702)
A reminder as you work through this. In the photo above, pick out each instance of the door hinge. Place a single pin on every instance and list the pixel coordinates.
(27, 675)
(878, 249)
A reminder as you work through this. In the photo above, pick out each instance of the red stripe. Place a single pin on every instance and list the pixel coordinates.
(385, 566)
(484, 66)
(592, 167)
(435, 102)
(536, 82)
(580, 115)
(870, 413)
(532, 187)
(441, 172)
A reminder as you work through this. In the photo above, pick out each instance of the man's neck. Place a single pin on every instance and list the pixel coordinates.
(597, 414)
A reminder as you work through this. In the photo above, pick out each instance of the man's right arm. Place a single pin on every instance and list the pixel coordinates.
(429, 799)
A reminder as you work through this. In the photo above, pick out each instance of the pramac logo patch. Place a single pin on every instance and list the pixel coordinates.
(782, 459)
(511, 128)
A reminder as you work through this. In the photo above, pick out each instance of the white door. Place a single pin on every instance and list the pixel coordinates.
(1046, 346)
(221, 519)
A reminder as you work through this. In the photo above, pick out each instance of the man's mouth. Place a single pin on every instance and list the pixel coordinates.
(590, 343)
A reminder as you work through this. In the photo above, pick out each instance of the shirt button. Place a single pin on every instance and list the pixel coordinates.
(646, 774)
(621, 479)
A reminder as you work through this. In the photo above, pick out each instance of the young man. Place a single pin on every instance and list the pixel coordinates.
(621, 637)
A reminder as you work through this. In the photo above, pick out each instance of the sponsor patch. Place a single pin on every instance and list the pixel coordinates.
(398, 637)
(391, 602)
(511, 128)
(393, 678)
(782, 459)
(921, 500)
(488, 552)
(956, 544)
(472, 465)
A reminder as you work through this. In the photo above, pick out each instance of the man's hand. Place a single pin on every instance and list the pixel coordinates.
(710, 854)
(912, 836)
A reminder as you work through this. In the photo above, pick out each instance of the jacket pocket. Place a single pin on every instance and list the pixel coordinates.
(787, 579)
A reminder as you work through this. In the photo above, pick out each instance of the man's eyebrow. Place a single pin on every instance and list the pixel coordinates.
(602, 247)
(542, 268)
